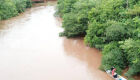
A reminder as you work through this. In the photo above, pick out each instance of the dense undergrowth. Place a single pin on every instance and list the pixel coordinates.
(10, 8)
(112, 26)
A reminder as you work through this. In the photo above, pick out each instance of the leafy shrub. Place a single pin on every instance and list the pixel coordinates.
(116, 32)
(135, 11)
(7, 9)
(132, 49)
(134, 6)
(113, 56)
(10, 8)
(72, 26)
(95, 35)
(28, 4)
(64, 6)
(75, 23)
(107, 10)
(137, 33)
(132, 27)
(22, 5)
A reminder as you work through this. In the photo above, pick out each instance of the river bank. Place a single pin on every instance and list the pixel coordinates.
(31, 49)
(112, 28)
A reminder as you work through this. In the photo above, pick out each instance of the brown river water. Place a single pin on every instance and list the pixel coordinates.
(31, 49)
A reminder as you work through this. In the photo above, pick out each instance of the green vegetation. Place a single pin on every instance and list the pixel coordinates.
(112, 26)
(75, 17)
(95, 35)
(132, 49)
(65, 6)
(10, 8)
(113, 56)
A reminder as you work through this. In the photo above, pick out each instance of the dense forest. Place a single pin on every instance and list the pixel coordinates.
(112, 26)
(11, 8)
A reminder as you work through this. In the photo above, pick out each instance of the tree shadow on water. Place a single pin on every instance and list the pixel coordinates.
(76, 48)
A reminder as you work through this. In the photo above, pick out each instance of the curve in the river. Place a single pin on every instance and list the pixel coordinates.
(31, 49)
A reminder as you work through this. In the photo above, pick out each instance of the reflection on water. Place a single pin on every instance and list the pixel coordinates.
(76, 48)
(89, 56)
(30, 49)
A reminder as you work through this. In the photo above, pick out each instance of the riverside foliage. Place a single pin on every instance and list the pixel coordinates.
(112, 26)
(10, 8)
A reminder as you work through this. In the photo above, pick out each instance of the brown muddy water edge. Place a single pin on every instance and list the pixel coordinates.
(31, 49)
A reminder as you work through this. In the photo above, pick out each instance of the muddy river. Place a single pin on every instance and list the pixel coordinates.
(31, 49)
